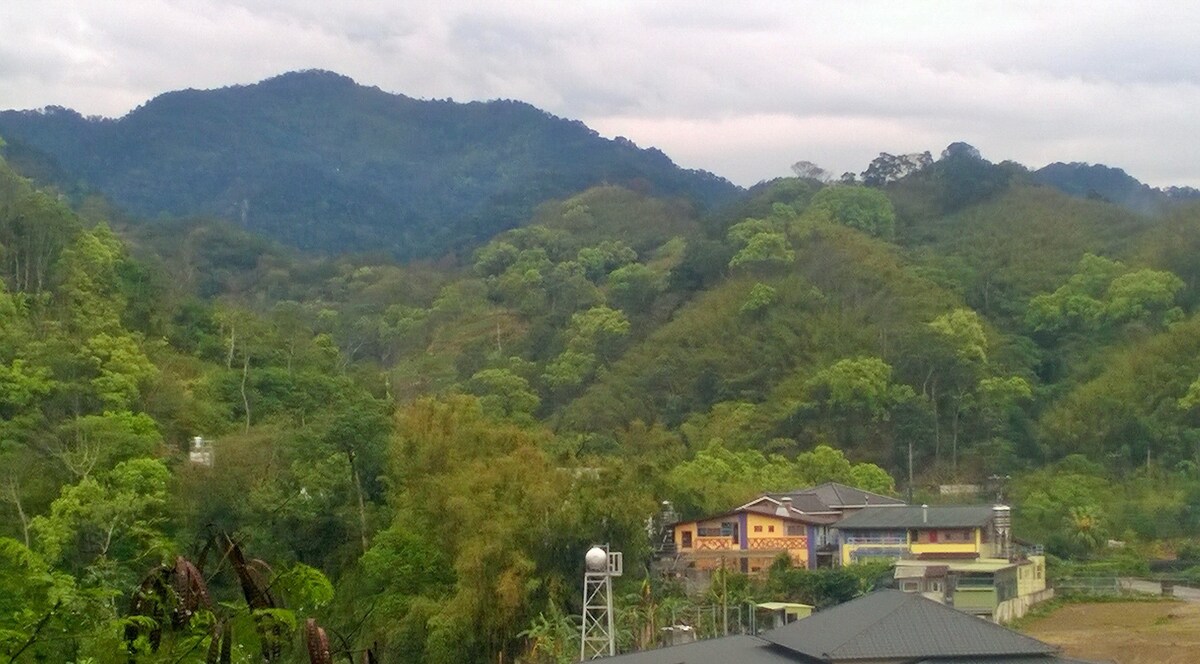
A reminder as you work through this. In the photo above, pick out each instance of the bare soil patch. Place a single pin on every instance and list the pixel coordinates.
(1124, 632)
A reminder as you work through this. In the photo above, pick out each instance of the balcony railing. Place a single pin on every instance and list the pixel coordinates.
(714, 544)
(875, 539)
(777, 543)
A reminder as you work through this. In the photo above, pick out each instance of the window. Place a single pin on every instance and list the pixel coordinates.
(910, 586)
(687, 539)
(770, 529)
(796, 530)
(936, 586)
(758, 529)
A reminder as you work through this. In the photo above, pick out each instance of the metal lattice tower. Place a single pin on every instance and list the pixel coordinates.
(598, 637)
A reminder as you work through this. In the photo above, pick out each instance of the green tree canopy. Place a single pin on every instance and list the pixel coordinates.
(865, 209)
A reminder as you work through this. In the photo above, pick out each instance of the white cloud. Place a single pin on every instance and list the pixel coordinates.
(742, 90)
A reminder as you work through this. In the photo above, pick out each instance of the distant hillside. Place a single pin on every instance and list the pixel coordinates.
(317, 161)
(1098, 181)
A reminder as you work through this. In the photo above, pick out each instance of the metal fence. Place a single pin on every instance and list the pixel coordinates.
(1093, 585)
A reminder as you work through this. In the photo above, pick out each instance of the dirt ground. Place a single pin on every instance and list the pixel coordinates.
(1124, 632)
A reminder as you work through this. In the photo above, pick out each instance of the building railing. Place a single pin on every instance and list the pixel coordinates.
(875, 539)
(777, 543)
(714, 544)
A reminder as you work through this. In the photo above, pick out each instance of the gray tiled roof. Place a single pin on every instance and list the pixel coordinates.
(835, 494)
(916, 516)
(793, 515)
(891, 624)
(883, 626)
(1006, 659)
(726, 650)
(809, 503)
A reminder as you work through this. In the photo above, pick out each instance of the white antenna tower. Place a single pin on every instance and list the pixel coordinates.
(599, 638)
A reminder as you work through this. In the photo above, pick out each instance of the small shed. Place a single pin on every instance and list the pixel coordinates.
(782, 613)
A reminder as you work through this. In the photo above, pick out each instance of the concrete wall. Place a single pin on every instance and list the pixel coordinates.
(1031, 576)
(1016, 607)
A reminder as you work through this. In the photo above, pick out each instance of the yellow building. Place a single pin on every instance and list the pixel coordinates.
(895, 532)
(1031, 575)
(1001, 589)
(749, 538)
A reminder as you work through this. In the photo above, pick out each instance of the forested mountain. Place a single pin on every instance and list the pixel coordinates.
(1110, 184)
(418, 452)
(316, 161)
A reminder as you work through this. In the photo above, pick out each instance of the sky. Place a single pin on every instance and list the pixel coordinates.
(741, 89)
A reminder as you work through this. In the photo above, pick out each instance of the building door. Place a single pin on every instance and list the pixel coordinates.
(687, 539)
(933, 536)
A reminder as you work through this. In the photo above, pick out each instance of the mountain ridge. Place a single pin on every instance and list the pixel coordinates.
(1099, 181)
(318, 161)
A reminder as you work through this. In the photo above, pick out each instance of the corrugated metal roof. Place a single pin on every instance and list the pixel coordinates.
(916, 516)
(1011, 659)
(838, 495)
(766, 510)
(779, 606)
(825, 499)
(887, 625)
(726, 650)
(792, 514)
(809, 503)
(891, 624)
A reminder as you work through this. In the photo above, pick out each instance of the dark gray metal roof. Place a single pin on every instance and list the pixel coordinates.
(726, 650)
(809, 503)
(838, 495)
(915, 516)
(765, 507)
(890, 624)
(1008, 659)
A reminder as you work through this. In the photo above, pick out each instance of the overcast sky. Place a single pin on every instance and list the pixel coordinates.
(741, 89)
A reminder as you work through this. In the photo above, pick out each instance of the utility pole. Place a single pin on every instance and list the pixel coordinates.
(910, 471)
(724, 599)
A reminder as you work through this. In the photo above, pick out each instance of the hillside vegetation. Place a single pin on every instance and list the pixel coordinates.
(313, 160)
(421, 451)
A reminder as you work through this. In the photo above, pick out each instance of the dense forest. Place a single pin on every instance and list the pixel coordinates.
(314, 160)
(414, 455)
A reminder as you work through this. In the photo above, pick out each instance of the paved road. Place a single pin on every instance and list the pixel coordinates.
(1154, 587)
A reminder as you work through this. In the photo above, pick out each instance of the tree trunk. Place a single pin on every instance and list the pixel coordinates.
(954, 437)
(362, 504)
(245, 399)
(937, 428)
(232, 342)
(16, 500)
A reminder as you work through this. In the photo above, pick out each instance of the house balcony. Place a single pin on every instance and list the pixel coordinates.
(934, 548)
(777, 543)
(889, 540)
(723, 543)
